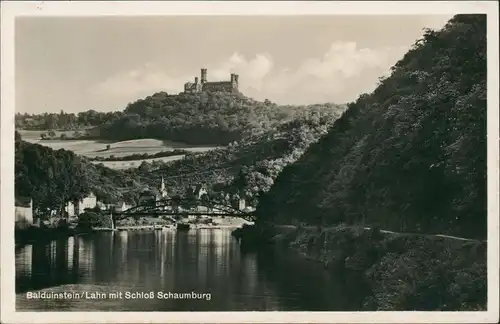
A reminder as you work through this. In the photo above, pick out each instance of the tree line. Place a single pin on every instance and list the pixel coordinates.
(63, 120)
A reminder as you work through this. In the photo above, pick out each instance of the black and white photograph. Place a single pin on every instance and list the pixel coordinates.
(238, 158)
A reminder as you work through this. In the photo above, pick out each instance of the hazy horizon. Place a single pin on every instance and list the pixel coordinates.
(102, 63)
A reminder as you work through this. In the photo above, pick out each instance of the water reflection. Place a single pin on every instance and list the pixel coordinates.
(44, 265)
(202, 261)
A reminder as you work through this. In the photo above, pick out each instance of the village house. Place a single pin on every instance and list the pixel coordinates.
(239, 203)
(119, 207)
(197, 191)
(24, 215)
(150, 197)
(75, 208)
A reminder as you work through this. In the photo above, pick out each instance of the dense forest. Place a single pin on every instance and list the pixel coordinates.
(203, 118)
(411, 156)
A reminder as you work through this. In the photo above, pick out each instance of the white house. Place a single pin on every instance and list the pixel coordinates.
(24, 216)
(122, 207)
(78, 207)
(240, 204)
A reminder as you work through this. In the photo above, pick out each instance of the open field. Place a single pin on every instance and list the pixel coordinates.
(34, 136)
(118, 149)
(136, 163)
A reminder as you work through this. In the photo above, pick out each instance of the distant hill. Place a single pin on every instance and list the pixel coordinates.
(201, 118)
(411, 156)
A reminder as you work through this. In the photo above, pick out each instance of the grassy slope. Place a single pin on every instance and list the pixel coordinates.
(92, 148)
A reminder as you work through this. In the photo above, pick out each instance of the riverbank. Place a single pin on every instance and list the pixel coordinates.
(44, 234)
(397, 271)
(160, 227)
(219, 221)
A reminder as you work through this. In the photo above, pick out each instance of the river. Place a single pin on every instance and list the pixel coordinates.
(207, 262)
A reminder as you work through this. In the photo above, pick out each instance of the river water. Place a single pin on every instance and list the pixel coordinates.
(207, 264)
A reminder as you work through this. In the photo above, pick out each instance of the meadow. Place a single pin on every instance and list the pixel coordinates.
(90, 148)
(118, 165)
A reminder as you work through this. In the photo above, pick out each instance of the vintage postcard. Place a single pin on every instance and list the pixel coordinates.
(226, 162)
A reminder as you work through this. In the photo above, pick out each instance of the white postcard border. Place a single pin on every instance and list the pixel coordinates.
(12, 9)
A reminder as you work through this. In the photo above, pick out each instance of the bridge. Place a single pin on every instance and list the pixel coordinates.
(173, 207)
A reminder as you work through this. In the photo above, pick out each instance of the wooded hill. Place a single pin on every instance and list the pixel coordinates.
(411, 156)
(203, 118)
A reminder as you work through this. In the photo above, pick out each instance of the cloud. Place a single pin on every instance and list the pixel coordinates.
(252, 72)
(339, 75)
(148, 78)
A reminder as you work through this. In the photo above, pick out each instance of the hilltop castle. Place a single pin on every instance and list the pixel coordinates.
(204, 86)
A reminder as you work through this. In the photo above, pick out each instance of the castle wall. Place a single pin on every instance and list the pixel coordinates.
(223, 86)
(203, 85)
(192, 87)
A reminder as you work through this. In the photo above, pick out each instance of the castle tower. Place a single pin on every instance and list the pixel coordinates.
(203, 75)
(195, 80)
(234, 82)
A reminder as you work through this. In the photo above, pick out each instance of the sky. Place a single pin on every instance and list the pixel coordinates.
(102, 63)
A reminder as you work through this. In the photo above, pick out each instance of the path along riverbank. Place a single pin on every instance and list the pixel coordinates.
(396, 271)
(159, 227)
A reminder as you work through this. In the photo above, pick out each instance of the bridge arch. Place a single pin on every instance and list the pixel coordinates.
(173, 207)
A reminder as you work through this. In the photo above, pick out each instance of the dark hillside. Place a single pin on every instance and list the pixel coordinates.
(411, 156)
